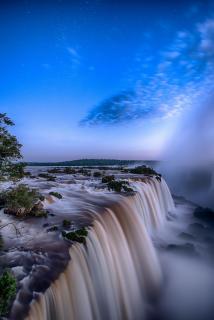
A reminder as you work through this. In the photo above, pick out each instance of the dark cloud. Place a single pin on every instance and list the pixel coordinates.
(119, 108)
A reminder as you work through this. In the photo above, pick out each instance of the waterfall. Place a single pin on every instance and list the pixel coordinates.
(115, 273)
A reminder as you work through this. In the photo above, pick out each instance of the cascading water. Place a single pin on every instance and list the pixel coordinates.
(114, 274)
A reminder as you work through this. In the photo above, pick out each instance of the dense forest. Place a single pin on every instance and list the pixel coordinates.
(91, 162)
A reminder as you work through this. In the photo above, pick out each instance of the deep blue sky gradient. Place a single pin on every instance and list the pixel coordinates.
(63, 63)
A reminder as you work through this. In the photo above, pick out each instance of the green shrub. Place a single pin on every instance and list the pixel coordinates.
(66, 223)
(7, 291)
(142, 170)
(147, 171)
(82, 232)
(108, 179)
(17, 171)
(21, 201)
(55, 194)
(21, 197)
(76, 236)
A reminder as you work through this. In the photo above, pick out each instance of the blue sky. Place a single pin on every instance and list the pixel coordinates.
(103, 79)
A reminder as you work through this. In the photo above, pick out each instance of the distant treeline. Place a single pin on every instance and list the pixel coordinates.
(91, 162)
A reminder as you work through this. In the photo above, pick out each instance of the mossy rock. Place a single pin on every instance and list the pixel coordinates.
(97, 174)
(76, 236)
(119, 186)
(55, 194)
(82, 232)
(68, 170)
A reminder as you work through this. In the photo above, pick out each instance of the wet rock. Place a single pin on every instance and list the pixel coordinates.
(52, 229)
(97, 174)
(25, 296)
(47, 176)
(45, 225)
(39, 284)
(18, 272)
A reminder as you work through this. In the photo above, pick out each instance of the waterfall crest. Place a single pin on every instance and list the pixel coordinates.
(114, 274)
